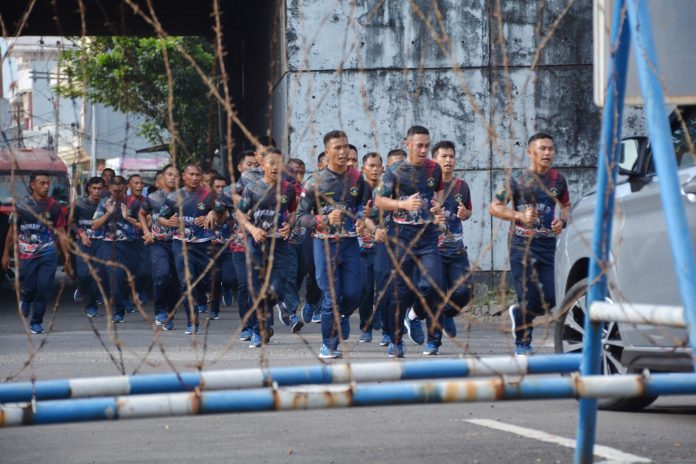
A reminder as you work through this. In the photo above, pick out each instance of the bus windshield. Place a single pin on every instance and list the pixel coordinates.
(60, 187)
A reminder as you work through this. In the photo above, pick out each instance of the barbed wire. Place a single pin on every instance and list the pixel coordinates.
(501, 141)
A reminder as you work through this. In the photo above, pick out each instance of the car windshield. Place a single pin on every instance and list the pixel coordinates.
(60, 187)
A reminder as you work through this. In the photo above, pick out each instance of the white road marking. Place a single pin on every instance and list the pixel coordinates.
(611, 454)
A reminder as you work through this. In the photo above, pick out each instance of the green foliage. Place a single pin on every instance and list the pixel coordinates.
(129, 74)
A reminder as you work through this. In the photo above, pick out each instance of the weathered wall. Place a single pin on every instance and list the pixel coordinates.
(373, 68)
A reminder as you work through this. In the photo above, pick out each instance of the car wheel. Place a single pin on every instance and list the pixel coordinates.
(568, 338)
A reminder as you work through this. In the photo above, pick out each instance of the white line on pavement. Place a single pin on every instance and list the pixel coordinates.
(605, 452)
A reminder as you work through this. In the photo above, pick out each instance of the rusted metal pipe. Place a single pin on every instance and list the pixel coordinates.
(286, 376)
(342, 396)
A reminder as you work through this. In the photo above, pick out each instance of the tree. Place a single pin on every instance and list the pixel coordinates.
(129, 74)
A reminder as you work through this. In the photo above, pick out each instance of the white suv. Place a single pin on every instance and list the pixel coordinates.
(641, 271)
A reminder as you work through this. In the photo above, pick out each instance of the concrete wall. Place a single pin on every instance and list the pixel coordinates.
(374, 68)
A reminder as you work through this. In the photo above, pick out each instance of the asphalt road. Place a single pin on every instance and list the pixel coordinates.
(477, 432)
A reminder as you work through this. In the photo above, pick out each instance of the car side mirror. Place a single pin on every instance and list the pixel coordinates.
(632, 156)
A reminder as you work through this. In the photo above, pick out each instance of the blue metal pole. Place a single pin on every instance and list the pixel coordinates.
(665, 160)
(607, 170)
(342, 396)
(285, 376)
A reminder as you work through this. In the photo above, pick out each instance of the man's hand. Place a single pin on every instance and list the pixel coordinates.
(124, 211)
(380, 235)
(5, 261)
(259, 235)
(557, 226)
(173, 221)
(368, 209)
(335, 217)
(147, 237)
(110, 205)
(200, 221)
(530, 216)
(284, 230)
(412, 203)
(210, 220)
(86, 241)
(360, 228)
(462, 213)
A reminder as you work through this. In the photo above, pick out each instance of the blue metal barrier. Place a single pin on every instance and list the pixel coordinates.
(342, 396)
(285, 376)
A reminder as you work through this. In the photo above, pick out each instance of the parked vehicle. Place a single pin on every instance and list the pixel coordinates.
(641, 270)
(20, 163)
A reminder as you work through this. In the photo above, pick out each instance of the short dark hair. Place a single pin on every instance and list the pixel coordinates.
(220, 177)
(539, 136)
(334, 134)
(352, 147)
(266, 140)
(193, 165)
(397, 152)
(297, 161)
(372, 154)
(321, 155)
(415, 130)
(211, 172)
(446, 144)
(244, 154)
(113, 173)
(118, 180)
(94, 180)
(269, 150)
(35, 174)
(133, 176)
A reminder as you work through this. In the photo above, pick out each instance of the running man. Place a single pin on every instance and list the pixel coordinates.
(142, 279)
(295, 269)
(89, 242)
(455, 262)
(117, 214)
(266, 211)
(40, 221)
(223, 276)
(158, 235)
(413, 190)
(332, 205)
(540, 211)
(369, 318)
(190, 205)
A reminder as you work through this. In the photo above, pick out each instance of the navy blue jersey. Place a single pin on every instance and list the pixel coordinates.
(298, 232)
(403, 179)
(224, 203)
(327, 191)
(152, 205)
(451, 233)
(117, 228)
(83, 213)
(543, 192)
(268, 205)
(249, 176)
(36, 221)
(193, 205)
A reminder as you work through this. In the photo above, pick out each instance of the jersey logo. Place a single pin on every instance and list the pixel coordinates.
(431, 182)
(201, 206)
(283, 199)
(554, 192)
(354, 191)
(458, 198)
(47, 215)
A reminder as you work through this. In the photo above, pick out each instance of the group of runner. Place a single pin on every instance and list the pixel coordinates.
(386, 241)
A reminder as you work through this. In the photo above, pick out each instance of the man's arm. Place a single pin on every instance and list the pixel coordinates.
(9, 244)
(100, 217)
(412, 203)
